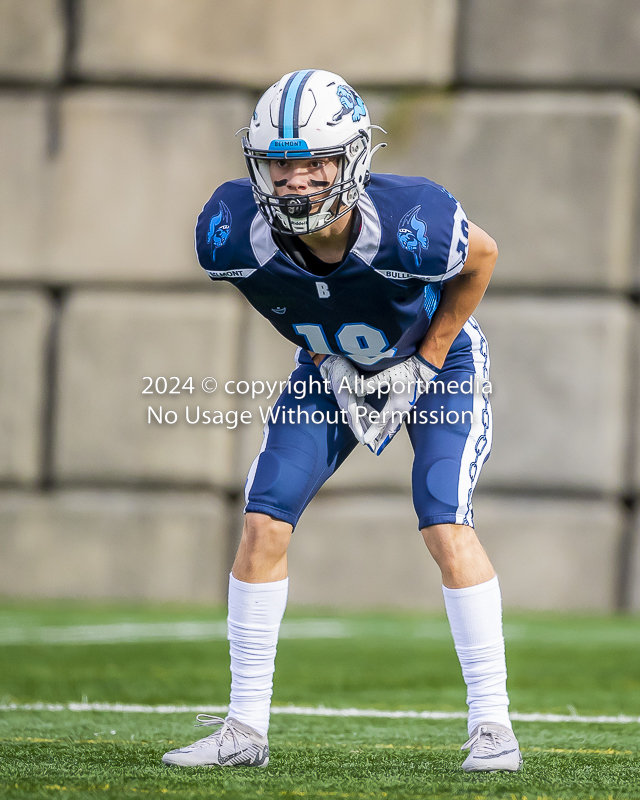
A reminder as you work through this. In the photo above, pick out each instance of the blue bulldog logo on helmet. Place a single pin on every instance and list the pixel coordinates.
(351, 104)
(219, 229)
(412, 234)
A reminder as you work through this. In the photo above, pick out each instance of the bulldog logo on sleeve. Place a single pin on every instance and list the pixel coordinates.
(412, 234)
(219, 229)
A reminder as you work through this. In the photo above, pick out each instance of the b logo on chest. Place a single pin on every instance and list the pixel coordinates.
(323, 290)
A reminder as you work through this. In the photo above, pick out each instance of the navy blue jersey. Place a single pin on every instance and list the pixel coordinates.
(376, 306)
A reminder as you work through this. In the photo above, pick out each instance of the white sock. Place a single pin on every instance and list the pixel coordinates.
(475, 617)
(255, 613)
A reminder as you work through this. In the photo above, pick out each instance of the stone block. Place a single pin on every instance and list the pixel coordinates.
(24, 183)
(31, 40)
(560, 380)
(552, 554)
(25, 318)
(634, 404)
(362, 551)
(132, 175)
(636, 241)
(634, 567)
(633, 461)
(581, 42)
(551, 177)
(111, 346)
(242, 42)
(147, 546)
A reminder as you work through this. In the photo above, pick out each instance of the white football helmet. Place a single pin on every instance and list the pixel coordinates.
(309, 114)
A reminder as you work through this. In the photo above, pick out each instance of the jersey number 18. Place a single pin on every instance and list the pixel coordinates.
(362, 343)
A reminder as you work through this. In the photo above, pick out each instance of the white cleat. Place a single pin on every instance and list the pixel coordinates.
(493, 747)
(232, 745)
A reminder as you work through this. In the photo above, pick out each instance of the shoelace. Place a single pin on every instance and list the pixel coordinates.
(208, 719)
(205, 720)
(486, 739)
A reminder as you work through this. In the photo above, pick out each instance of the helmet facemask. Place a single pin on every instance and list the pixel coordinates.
(298, 214)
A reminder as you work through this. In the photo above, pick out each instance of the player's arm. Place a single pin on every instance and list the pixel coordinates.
(460, 296)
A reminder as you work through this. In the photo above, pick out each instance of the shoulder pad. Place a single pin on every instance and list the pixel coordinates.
(431, 229)
(221, 234)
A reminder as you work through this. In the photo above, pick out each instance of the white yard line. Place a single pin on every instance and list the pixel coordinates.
(130, 632)
(312, 628)
(310, 711)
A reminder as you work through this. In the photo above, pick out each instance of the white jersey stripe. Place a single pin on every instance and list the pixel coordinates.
(368, 242)
(478, 444)
(262, 244)
(254, 465)
(398, 275)
(459, 239)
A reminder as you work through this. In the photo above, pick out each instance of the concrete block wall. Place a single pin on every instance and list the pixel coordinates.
(32, 40)
(550, 175)
(243, 43)
(25, 320)
(109, 343)
(113, 544)
(117, 121)
(546, 392)
(563, 42)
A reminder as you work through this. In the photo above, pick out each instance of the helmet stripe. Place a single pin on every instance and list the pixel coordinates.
(290, 104)
(296, 108)
(282, 105)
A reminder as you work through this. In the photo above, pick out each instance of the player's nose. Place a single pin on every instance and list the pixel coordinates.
(298, 178)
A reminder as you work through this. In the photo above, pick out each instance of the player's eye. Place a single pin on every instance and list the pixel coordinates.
(318, 164)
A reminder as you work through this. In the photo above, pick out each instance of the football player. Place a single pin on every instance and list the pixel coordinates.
(375, 278)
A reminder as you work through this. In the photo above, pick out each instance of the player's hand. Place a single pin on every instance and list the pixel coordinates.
(345, 382)
(405, 382)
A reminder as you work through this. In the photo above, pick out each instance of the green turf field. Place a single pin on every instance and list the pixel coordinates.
(557, 664)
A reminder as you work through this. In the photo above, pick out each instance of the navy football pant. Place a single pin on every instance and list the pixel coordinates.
(300, 451)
